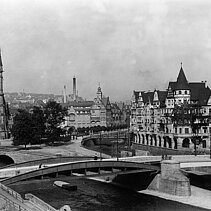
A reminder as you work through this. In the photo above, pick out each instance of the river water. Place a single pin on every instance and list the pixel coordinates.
(94, 195)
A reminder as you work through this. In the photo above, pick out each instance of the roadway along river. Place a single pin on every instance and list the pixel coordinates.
(97, 196)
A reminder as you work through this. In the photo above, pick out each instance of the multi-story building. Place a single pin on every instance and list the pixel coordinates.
(176, 118)
(117, 115)
(78, 114)
(89, 113)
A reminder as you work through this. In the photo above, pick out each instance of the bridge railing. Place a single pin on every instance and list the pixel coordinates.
(111, 134)
(11, 192)
(46, 161)
(14, 205)
(38, 202)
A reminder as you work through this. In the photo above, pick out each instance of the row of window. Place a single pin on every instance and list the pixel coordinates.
(187, 130)
(182, 92)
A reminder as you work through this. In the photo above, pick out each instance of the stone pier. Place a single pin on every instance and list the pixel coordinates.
(171, 180)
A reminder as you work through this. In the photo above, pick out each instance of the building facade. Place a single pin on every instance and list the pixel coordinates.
(89, 113)
(101, 110)
(78, 114)
(176, 118)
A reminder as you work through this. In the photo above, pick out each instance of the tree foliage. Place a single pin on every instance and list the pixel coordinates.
(28, 127)
(22, 129)
(38, 124)
(54, 115)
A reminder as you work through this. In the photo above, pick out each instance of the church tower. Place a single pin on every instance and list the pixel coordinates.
(3, 107)
(99, 92)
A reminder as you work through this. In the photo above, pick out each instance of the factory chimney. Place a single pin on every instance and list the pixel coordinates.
(74, 88)
(65, 95)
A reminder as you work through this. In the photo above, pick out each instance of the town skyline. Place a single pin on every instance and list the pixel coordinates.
(124, 45)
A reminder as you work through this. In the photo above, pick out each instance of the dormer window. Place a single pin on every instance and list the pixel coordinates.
(186, 92)
(180, 92)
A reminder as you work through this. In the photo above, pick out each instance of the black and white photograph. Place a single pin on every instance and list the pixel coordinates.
(105, 105)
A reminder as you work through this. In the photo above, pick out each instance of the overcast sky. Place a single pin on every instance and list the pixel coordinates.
(125, 45)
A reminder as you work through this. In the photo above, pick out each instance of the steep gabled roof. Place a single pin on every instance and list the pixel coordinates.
(199, 92)
(162, 97)
(204, 96)
(105, 101)
(172, 85)
(147, 97)
(195, 88)
(182, 82)
(136, 94)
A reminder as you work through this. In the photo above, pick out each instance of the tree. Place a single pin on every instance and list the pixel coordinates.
(22, 129)
(71, 130)
(54, 115)
(38, 124)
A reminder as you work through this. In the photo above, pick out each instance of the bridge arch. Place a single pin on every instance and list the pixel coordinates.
(6, 160)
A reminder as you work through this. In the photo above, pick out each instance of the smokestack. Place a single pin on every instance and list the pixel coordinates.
(74, 88)
(65, 96)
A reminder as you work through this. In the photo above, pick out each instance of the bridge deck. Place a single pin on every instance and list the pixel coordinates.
(68, 168)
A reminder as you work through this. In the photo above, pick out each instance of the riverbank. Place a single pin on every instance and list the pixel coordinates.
(97, 196)
(199, 197)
